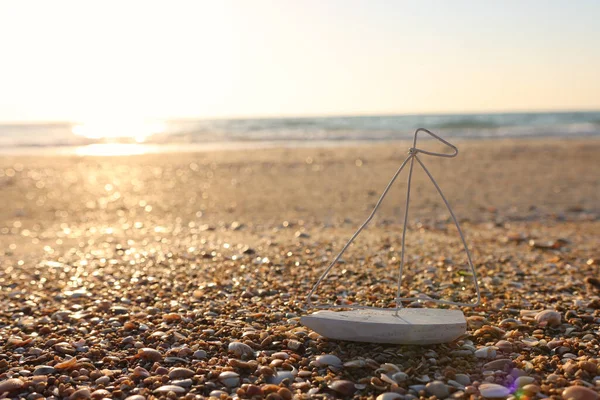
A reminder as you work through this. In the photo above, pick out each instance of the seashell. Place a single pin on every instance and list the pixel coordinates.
(11, 385)
(343, 387)
(387, 379)
(280, 376)
(229, 379)
(68, 364)
(548, 317)
(170, 388)
(240, 349)
(172, 317)
(325, 360)
(493, 391)
(388, 368)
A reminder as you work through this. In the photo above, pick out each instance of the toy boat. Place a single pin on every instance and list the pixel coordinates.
(395, 325)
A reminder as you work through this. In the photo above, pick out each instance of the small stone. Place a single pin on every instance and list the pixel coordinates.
(486, 353)
(497, 364)
(285, 393)
(531, 389)
(493, 391)
(504, 346)
(83, 393)
(548, 317)
(389, 396)
(462, 379)
(240, 349)
(345, 388)
(523, 380)
(185, 383)
(43, 370)
(100, 394)
(170, 388)
(103, 380)
(200, 354)
(150, 354)
(11, 385)
(229, 379)
(293, 344)
(181, 373)
(579, 393)
(437, 389)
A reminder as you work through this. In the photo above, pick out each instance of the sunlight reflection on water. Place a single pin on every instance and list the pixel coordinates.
(115, 149)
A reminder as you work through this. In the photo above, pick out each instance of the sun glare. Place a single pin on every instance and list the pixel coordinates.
(118, 130)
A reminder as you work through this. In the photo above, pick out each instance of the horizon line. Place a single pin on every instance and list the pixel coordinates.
(310, 116)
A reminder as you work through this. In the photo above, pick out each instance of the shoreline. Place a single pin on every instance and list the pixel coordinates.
(133, 149)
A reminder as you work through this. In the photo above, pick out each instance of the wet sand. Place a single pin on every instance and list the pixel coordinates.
(133, 276)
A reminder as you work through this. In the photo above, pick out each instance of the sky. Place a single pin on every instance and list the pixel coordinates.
(85, 60)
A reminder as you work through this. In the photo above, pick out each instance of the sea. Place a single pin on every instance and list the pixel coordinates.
(198, 134)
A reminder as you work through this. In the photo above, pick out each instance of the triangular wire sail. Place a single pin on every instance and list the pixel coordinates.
(412, 156)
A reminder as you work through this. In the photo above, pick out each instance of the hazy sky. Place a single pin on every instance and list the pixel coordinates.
(81, 60)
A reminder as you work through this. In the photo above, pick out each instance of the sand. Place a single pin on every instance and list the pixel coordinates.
(118, 272)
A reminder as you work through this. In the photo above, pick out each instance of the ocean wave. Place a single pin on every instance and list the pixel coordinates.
(320, 129)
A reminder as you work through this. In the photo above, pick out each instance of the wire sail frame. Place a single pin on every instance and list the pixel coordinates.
(410, 159)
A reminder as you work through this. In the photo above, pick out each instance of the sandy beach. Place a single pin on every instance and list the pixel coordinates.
(185, 275)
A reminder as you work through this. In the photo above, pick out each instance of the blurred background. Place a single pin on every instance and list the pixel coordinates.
(132, 77)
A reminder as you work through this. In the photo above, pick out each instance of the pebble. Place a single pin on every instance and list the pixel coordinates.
(240, 349)
(548, 317)
(170, 388)
(486, 353)
(229, 379)
(437, 389)
(11, 385)
(498, 364)
(579, 393)
(493, 391)
(150, 354)
(200, 354)
(181, 373)
(186, 383)
(43, 370)
(523, 380)
(389, 396)
(463, 379)
(83, 393)
(343, 387)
